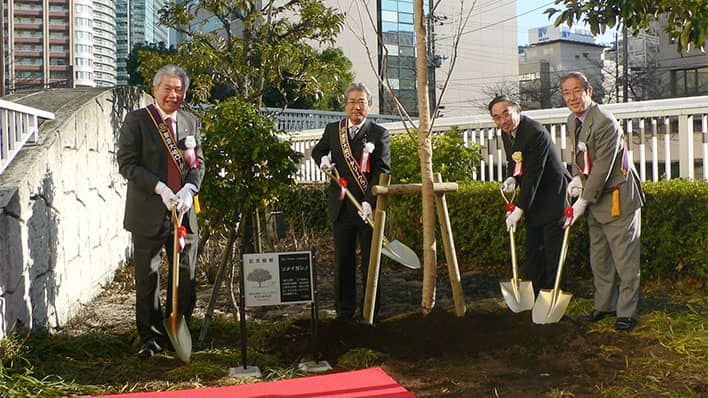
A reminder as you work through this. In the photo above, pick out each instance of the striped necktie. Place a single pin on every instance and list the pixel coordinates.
(174, 177)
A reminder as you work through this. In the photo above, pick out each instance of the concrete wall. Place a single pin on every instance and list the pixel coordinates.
(61, 209)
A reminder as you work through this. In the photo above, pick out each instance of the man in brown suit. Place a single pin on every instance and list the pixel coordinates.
(151, 156)
(607, 186)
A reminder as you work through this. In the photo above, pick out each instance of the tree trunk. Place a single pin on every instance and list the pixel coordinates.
(425, 153)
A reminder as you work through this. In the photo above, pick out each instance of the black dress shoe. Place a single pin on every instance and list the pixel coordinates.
(596, 315)
(625, 324)
(149, 348)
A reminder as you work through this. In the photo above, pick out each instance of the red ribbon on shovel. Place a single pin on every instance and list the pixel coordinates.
(342, 187)
(181, 234)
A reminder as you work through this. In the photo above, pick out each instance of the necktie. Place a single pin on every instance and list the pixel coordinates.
(578, 126)
(174, 178)
(352, 131)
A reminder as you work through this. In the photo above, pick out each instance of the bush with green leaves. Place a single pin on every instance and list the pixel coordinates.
(305, 208)
(247, 164)
(674, 230)
(673, 241)
(451, 158)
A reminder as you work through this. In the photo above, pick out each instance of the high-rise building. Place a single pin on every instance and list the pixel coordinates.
(63, 43)
(104, 42)
(36, 44)
(137, 23)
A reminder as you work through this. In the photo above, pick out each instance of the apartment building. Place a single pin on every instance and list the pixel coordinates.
(553, 52)
(57, 43)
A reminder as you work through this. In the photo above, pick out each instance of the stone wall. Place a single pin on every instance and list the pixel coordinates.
(61, 209)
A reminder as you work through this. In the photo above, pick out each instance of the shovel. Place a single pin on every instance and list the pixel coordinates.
(395, 250)
(518, 294)
(551, 304)
(175, 325)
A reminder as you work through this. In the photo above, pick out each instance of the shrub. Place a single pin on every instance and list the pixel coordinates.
(674, 230)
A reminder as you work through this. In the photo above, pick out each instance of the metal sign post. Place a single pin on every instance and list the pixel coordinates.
(277, 279)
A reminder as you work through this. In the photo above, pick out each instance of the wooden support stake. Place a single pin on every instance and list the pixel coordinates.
(449, 243)
(407, 189)
(372, 278)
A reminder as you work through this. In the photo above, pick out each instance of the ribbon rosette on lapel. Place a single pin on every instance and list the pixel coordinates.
(364, 165)
(583, 148)
(190, 153)
(518, 159)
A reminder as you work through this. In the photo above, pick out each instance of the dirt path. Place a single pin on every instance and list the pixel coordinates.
(487, 353)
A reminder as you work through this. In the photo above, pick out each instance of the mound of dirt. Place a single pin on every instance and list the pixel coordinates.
(488, 352)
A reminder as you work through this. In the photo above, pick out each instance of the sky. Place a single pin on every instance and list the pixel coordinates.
(533, 17)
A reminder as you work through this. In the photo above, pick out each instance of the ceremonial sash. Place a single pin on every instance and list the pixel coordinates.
(168, 139)
(349, 158)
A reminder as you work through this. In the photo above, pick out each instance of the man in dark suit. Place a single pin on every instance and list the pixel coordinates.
(608, 186)
(360, 151)
(152, 158)
(533, 164)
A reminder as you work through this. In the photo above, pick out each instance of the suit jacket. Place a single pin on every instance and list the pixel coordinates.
(544, 179)
(142, 160)
(380, 161)
(601, 136)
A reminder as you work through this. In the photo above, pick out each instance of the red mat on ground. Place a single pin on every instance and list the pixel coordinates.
(371, 382)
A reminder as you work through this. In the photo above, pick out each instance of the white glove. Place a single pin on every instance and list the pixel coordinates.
(578, 209)
(513, 218)
(326, 163)
(367, 211)
(168, 197)
(509, 185)
(185, 197)
(575, 187)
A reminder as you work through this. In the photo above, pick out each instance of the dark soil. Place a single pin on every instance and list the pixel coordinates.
(489, 352)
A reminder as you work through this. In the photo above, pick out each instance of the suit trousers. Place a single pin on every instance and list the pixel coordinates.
(614, 259)
(147, 258)
(348, 229)
(543, 248)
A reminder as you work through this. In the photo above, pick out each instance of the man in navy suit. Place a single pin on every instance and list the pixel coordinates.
(360, 151)
(533, 164)
(151, 156)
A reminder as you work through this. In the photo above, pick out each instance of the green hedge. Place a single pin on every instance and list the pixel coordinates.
(674, 228)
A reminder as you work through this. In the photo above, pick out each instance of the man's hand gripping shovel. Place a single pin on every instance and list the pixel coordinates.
(551, 304)
(518, 294)
(175, 325)
(395, 250)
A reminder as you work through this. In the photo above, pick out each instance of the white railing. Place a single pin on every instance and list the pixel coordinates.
(662, 134)
(305, 119)
(18, 126)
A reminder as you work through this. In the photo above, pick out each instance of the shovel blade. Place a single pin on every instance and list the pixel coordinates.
(546, 310)
(181, 340)
(401, 254)
(525, 299)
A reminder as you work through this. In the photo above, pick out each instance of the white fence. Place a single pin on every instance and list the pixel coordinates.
(18, 126)
(667, 138)
(305, 119)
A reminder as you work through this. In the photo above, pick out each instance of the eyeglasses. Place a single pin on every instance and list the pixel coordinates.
(361, 102)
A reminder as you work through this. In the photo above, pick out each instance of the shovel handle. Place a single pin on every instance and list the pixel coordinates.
(350, 196)
(176, 222)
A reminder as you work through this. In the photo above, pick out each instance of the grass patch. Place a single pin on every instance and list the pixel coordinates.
(666, 355)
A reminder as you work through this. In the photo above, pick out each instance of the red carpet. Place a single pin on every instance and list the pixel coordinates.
(371, 382)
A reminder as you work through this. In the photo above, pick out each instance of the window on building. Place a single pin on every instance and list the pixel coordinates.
(689, 82)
